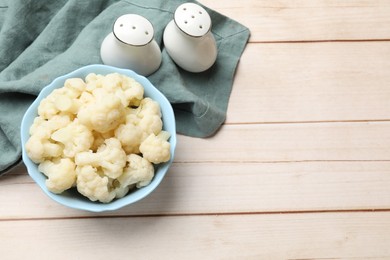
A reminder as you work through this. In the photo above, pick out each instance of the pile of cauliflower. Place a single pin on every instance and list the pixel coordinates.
(100, 135)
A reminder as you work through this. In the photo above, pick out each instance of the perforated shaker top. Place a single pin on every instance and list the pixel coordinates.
(192, 19)
(133, 29)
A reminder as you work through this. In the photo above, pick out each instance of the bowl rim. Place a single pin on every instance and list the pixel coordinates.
(87, 205)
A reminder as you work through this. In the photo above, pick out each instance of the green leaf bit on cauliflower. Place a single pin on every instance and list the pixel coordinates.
(96, 186)
(110, 157)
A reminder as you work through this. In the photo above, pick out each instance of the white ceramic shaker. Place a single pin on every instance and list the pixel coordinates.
(131, 45)
(188, 38)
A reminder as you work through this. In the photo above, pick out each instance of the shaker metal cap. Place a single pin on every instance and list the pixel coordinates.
(192, 19)
(133, 29)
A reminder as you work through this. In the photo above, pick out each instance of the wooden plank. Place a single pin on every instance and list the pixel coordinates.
(289, 143)
(306, 20)
(279, 236)
(238, 188)
(312, 82)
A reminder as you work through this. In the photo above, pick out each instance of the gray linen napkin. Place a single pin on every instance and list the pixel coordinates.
(43, 39)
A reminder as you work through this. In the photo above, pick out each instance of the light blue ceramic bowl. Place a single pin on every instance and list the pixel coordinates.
(72, 198)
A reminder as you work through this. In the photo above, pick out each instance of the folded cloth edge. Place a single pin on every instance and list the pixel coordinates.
(215, 115)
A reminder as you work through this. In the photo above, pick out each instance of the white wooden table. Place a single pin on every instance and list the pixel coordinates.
(300, 169)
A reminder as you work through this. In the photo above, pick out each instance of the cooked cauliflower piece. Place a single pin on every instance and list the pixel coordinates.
(61, 174)
(138, 127)
(156, 148)
(100, 135)
(132, 116)
(148, 117)
(93, 185)
(46, 127)
(62, 100)
(133, 91)
(139, 172)
(93, 81)
(103, 114)
(86, 98)
(75, 137)
(40, 148)
(130, 137)
(110, 157)
(150, 124)
(149, 106)
(47, 108)
(68, 97)
(127, 89)
(98, 140)
(96, 186)
(67, 104)
(75, 85)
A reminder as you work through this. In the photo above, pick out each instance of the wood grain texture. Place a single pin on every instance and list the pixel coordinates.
(300, 169)
(312, 82)
(290, 143)
(281, 236)
(228, 188)
(307, 20)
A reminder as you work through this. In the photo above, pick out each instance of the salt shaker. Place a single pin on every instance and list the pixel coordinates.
(188, 38)
(131, 45)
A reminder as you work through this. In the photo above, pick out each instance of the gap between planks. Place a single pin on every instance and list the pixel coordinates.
(199, 214)
(210, 237)
(309, 122)
(21, 169)
(318, 41)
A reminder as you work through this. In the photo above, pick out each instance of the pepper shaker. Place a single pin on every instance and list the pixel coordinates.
(131, 45)
(188, 38)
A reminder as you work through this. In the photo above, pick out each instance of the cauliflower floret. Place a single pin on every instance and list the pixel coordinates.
(130, 137)
(149, 116)
(89, 133)
(127, 89)
(76, 86)
(112, 82)
(45, 127)
(109, 156)
(99, 138)
(67, 104)
(47, 108)
(86, 98)
(62, 100)
(140, 123)
(75, 137)
(39, 148)
(96, 186)
(103, 114)
(132, 116)
(61, 174)
(149, 107)
(133, 91)
(156, 149)
(121, 190)
(139, 172)
(93, 81)
(150, 124)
